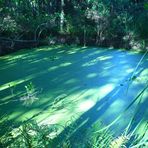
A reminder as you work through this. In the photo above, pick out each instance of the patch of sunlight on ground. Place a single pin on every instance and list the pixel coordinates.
(19, 81)
(61, 116)
(103, 58)
(74, 50)
(134, 52)
(71, 81)
(83, 106)
(142, 78)
(53, 68)
(14, 83)
(130, 70)
(95, 52)
(65, 64)
(144, 73)
(13, 57)
(104, 90)
(96, 60)
(92, 75)
(48, 48)
(80, 104)
(95, 95)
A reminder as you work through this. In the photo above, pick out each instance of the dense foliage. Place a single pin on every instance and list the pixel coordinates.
(117, 23)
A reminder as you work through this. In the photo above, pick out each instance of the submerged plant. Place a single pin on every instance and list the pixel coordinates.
(30, 95)
(30, 88)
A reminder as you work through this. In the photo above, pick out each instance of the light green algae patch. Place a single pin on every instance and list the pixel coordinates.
(70, 82)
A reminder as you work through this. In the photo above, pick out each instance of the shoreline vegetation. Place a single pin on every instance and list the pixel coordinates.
(117, 24)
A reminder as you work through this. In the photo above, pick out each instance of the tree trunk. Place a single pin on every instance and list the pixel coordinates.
(84, 37)
(62, 17)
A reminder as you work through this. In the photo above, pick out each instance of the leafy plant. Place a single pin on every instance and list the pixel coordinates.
(30, 95)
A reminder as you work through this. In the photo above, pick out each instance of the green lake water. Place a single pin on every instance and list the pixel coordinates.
(81, 85)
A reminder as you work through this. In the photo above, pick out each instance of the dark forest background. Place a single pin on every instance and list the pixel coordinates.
(105, 23)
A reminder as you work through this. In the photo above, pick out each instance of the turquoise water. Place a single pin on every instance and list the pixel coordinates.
(81, 85)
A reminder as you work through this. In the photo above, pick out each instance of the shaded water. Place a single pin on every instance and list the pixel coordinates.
(80, 85)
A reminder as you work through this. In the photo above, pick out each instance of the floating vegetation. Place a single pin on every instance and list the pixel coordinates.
(30, 95)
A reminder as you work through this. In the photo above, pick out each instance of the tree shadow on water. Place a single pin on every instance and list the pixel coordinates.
(77, 129)
(87, 119)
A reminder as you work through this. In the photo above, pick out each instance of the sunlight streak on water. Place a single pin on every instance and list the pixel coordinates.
(104, 90)
(86, 105)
